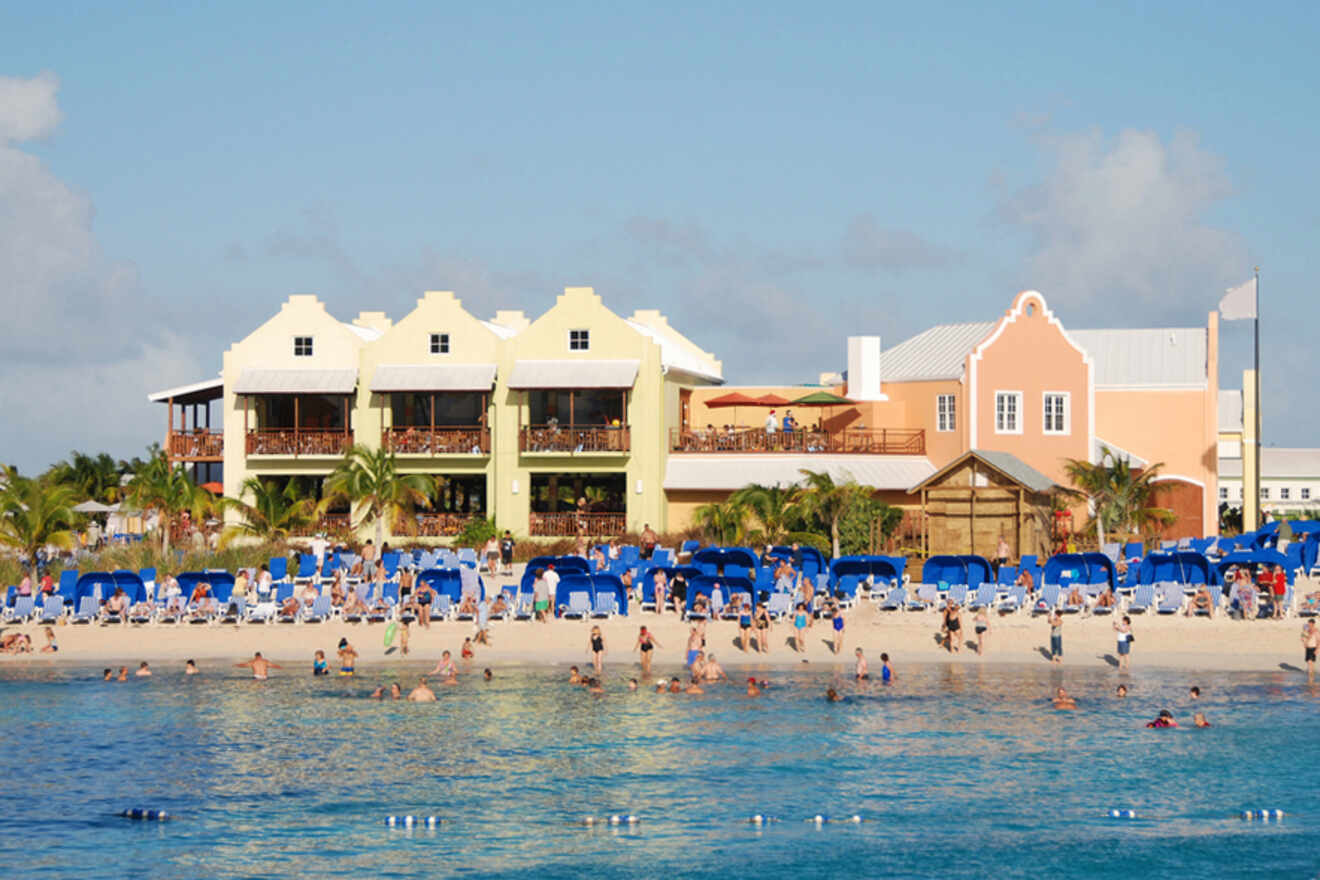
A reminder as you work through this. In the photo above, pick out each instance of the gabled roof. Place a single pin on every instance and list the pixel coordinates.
(1007, 464)
(678, 353)
(938, 353)
(366, 334)
(1146, 357)
(1230, 410)
(1118, 452)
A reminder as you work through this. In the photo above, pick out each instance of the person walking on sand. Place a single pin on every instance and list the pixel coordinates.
(952, 627)
(646, 643)
(800, 629)
(1310, 641)
(837, 622)
(1056, 637)
(761, 620)
(260, 666)
(981, 624)
(694, 643)
(597, 649)
(1123, 628)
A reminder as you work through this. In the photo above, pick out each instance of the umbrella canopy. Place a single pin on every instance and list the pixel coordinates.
(821, 398)
(92, 507)
(734, 398)
(214, 487)
(771, 400)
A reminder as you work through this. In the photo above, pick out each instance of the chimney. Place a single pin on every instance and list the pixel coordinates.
(864, 368)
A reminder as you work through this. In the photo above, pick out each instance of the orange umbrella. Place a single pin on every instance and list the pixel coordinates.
(214, 488)
(734, 399)
(771, 400)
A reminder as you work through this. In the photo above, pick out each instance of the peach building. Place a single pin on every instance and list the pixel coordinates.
(1023, 387)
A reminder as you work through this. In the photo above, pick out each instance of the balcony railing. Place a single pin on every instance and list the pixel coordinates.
(299, 441)
(437, 441)
(851, 441)
(443, 525)
(565, 525)
(336, 524)
(575, 439)
(196, 445)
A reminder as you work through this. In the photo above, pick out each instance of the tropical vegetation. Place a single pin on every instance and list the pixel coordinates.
(369, 480)
(170, 492)
(275, 511)
(1121, 498)
(34, 515)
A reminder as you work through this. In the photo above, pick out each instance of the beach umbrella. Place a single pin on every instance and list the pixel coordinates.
(734, 399)
(214, 487)
(92, 507)
(822, 398)
(771, 400)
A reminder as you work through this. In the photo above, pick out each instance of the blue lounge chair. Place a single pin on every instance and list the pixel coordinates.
(86, 612)
(1048, 600)
(1171, 601)
(984, 598)
(779, 604)
(235, 610)
(1072, 607)
(1142, 599)
(320, 611)
(441, 607)
(522, 609)
(607, 605)
(1017, 596)
(958, 593)
(578, 607)
(306, 568)
(895, 601)
(923, 598)
(51, 610)
(278, 566)
(1007, 575)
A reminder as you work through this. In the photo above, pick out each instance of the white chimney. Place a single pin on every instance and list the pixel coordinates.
(864, 368)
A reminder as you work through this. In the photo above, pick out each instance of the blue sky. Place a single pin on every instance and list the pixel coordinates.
(774, 177)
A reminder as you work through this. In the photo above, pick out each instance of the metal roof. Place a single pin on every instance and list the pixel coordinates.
(1118, 452)
(1277, 462)
(574, 374)
(300, 381)
(1010, 465)
(1230, 410)
(938, 353)
(197, 392)
(1155, 357)
(678, 354)
(715, 472)
(433, 377)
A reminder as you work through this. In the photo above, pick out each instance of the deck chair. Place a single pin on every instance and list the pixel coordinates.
(52, 610)
(607, 605)
(235, 610)
(779, 604)
(1048, 601)
(1142, 599)
(1016, 598)
(1171, 601)
(985, 596)
(578, 607)
(86, 612)
(895, 600)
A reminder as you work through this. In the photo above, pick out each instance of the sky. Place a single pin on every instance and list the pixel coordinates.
(774, 177)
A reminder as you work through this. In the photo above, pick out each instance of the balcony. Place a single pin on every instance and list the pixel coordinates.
(196, 445)
(566, 525)
(335, 524)
(295, 442)
(852, 441)
(443, 525)
(437, 441)
(575, 439)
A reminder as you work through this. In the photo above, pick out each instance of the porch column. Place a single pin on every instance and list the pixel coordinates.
(169, 432)
(295, 425)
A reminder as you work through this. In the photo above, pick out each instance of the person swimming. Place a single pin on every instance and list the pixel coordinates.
(1062, 701)
(1199, 720)
(752, 689)
(833, 696)
(319, 666)
(1165, 719)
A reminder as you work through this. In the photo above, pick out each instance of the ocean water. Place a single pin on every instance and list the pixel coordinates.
(956, 771)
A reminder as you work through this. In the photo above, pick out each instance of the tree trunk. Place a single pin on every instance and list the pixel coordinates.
(164, 535)
(834, 535)
(380, 529)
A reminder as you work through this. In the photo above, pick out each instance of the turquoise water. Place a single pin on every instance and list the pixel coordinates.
(958, 772)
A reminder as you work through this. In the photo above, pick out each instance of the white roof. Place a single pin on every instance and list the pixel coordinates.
(1278, 462)
(366, 334)
(1230, 409)
(302, 381)
(216, 384)
(433, 377)
(677, 354)
(1158, 357)
(938, 353)
(574, 374)
(1118, 452)
(714, 472)
(500, 330)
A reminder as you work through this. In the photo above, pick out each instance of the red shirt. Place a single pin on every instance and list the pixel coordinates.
(1280, 582)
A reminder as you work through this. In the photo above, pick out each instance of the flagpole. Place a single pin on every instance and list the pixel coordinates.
(1260, 518)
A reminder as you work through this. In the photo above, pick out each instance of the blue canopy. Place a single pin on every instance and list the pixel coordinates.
(1252, 559)
(978, 571)
(445, 581)
(222, 583)
(1178, 567)
(882, 568)
(704, 584)
(604, 584)
(1064, 569)
(944, 569)
(647, 579)
(1100, 569)
(711, 559)
(562, 564)
(574, 583)
(813, 561)
(88, 583)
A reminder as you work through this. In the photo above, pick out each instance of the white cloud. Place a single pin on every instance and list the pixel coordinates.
(82, 341)
(868, 245)
(1126, 218)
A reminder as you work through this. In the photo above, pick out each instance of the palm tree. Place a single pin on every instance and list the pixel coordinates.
(722, 522)
(34, 515)
(369, 480)
(1120, 498)
(829, 502)
(773, 506)
(94, 477)
(171, 492)
(275, 512)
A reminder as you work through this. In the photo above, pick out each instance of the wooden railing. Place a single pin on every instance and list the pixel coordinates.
(437, 441)
(334, 523)
(851, 441)
(299, 441)
(442, 525)
(574, 438)
(561, 525)
(198, 445)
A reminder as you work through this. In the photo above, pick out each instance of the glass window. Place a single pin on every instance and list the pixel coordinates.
(583, 406)
(1056, 412)
(439, 343)
(579, 340)
(302, 346)
(1284, 493)
(1008, 406)
(1265, 493)
(1223, 493)
(1306, 493)
(946, 418)
(453, 409)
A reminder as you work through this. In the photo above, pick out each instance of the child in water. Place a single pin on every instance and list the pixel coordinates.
(319, 666)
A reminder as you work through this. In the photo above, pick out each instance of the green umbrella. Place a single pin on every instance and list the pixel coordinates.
(821, 398)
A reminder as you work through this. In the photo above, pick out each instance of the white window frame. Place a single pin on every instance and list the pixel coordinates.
(311, 346)
(1066, 397)
(1017, 411)
(1285, 493)
(1264, 493)
(439, 343)
(946, 420)
(585, 339)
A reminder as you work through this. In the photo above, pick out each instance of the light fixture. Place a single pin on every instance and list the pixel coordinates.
(639, 487)
(513, 487)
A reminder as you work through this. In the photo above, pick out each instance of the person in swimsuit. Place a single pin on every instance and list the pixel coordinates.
(1121, 692)
(319, 666)
(1310, 641)
(445, 666)
(423, 595)
(832, 695)
(260, 666)
(347, 657)
(694, 643)
(761, 620)
(886, 671)
(1123, 629)
(713, 671)
(396, 692)
(675, 686)
(837, 622)
(800, 629)
(1063, 701)
(1056, 637)
(190, 668)
(744, 627)
(1165, 719)
(646, 643)
(465, 653)
(597, 649)
(50, 647)
(952, 627)
(752, 689)
(860, 671)
(421, 693)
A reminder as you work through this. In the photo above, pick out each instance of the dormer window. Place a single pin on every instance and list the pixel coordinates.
(302, 346)
(579, 340)
(439, 343)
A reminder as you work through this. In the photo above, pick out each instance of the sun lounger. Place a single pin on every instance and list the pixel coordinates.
(779, 604)
(1072, 607)
(234, 610)
(984, 597)
(320, 611)
(958, 593)
(578, 607)
(1047, 600)
(895, 601)
(1142, 599)
(923, 598)
(1171, 601)
(52, 609)
(607, 605)
(23, 608)
(1016, 598)
(86, 612)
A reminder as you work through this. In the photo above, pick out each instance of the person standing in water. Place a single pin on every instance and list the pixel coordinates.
(260, 666)
(860, 671)
(421, 693)
(1310, 641)
(646, 643)
(1056, 637)
(597, 646)
(347, 657)
(838, 623)
(981, 625)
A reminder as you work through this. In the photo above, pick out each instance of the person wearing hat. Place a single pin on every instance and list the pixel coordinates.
(771, 423)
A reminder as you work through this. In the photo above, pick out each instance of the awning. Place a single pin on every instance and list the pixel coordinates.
(722, 471)
(433, 377)
(253, 381)
(574, 374)
(198, 392)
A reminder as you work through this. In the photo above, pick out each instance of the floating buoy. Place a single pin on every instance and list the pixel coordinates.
(1122, 814)
(588, 820)
(410, 821)
(1262, 815)
(141, 814)
(818, 819)
(632, 820)
(855, 819)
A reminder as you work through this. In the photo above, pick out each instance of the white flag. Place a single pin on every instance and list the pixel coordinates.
(1239, 302)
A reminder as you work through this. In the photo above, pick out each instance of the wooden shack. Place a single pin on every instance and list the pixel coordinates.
(981, 495)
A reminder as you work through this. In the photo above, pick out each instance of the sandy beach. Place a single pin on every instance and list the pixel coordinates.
(1174, 642)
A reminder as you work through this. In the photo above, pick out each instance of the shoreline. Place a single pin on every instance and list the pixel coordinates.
(1181, 643)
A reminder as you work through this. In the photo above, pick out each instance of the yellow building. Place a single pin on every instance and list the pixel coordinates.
(542, 423)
